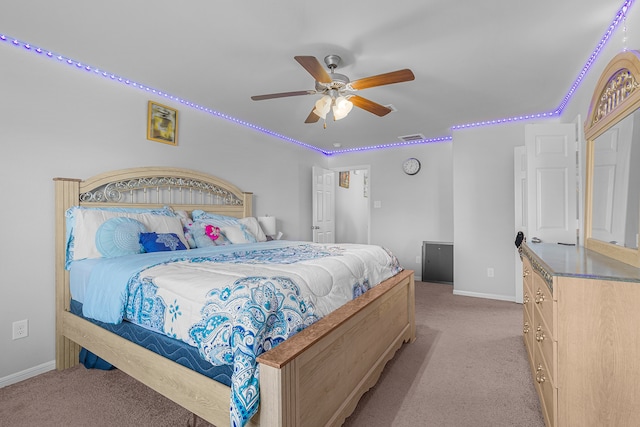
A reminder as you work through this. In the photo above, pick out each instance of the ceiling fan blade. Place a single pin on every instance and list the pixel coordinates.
(384, 79)
(312, 118)
(282, 95)
(313, 66)
(370, 106)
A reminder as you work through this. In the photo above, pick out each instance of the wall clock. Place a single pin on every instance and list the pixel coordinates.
(411, 166)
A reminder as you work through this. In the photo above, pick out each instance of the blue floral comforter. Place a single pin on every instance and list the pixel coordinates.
(235, 302)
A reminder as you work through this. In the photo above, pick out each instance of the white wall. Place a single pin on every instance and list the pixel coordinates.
(60, 122)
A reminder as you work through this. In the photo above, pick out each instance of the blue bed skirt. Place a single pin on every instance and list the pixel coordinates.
(170, 348)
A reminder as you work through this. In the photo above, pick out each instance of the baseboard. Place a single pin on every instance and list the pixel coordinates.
(27, 373)
(486, 296)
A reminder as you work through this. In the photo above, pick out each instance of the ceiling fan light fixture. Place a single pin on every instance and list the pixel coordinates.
(341, 108)
(323, 105)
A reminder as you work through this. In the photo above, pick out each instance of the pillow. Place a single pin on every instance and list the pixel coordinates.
(119, 236)
(197, 231)
(237, 234)
(156, 242)
(253, 226)
(251, 223)
(83, 224)
(186, 222)
(219, 220)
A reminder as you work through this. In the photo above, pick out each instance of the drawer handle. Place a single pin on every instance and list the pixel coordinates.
(526, 298)
(525, 272)
(539, 334)
(525, 329)
(539, 296)
(540, 378)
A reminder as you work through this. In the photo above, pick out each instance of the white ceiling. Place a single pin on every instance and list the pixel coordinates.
(473, 60)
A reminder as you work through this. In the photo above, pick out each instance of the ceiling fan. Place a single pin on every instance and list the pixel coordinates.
(338, 91)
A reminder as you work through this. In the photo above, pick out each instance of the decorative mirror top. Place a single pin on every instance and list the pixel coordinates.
(620, 86)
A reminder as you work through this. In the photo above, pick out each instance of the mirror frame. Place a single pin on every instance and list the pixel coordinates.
(616, 95)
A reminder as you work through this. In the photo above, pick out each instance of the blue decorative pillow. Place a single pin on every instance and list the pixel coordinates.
(89, 232)
(156, 242)
(119, 236)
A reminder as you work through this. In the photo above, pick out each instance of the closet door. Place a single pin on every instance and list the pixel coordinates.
(323, 205)
(551, 182)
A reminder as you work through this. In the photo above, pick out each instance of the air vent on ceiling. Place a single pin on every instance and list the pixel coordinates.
(414, 137)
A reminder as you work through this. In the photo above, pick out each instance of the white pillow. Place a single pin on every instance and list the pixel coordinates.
(237, 234)
(88, 221)
(253, 226)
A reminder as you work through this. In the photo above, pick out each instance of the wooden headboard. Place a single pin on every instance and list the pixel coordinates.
(147, 187)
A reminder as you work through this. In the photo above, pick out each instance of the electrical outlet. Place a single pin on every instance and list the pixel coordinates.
(20, 329)
(490, 272)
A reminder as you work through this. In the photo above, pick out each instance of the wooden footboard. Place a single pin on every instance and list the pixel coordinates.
(318, 376)
(314, 378)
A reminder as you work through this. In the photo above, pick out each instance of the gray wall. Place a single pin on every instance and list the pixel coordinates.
(412, 208)
(484, 215)
(60, 122)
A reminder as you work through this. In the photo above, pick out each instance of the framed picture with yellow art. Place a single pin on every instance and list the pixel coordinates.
(343, 180)
(162, 124)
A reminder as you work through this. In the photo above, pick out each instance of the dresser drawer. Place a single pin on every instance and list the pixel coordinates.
(527, 289)
(542, 338)
(527, 272)
(543, 302)
(545, 388)
(527, 333)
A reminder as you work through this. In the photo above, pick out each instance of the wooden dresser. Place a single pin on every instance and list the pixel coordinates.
(581, 327)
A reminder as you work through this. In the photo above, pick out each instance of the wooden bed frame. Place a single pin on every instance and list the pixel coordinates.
(316, 377)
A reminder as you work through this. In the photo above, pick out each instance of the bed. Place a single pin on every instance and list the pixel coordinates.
(315, 377)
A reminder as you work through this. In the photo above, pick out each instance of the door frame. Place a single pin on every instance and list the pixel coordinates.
(366, 168)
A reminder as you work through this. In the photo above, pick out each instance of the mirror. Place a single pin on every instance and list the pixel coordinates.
(616, 184)
(612, 192)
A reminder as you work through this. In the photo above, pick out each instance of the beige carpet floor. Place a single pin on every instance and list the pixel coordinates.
(467, 367)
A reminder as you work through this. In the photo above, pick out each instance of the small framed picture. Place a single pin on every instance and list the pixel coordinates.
(344, 179)
(162, 124)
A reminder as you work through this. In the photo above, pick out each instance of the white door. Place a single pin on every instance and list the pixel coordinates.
(323, 189)
(552, 182)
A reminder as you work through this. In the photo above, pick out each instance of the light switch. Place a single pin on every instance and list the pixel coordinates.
(377, 204)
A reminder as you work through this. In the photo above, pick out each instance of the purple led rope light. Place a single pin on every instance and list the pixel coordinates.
(78, 65)
(620, 15)
(391, 145)
(616, 20)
